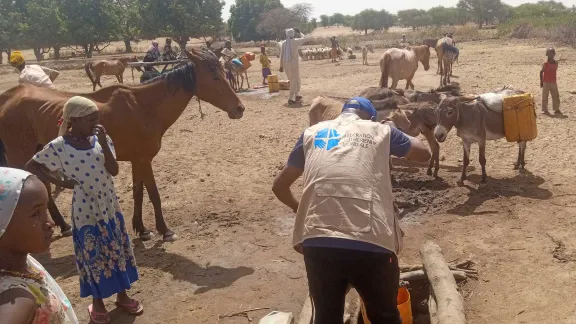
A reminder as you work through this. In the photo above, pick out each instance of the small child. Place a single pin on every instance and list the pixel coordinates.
(548, 82)
(265, 61)
(28, 294)
(104, 257)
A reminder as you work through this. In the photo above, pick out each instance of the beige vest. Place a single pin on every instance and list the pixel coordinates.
(347, 190)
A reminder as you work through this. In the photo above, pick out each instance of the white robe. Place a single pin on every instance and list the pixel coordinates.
(35, 75)
(292, 67)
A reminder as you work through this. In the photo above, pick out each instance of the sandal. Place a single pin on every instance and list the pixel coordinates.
(98, 318)
(133, 308)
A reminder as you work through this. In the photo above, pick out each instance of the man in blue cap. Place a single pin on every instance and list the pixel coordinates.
(346, 226)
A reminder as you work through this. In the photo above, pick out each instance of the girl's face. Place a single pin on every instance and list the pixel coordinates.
(31, 228)
(84, 125)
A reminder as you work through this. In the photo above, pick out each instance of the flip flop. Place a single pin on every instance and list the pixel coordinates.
(98, 318)
(133, 308)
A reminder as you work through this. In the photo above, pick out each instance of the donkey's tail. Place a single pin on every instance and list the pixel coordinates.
(385, 69)
(88, 69)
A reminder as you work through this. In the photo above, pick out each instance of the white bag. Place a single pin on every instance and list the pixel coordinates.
(277, 318)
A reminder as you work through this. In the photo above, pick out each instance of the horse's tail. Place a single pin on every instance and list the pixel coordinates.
(3, 160)
(385, 69)
(88, 69)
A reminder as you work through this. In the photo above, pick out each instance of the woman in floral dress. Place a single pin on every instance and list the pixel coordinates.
(85, 154)
(28, 294)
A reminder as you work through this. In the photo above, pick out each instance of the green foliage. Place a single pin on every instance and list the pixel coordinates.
(245, 16)
(540, 9)
(325, 20)
(273, 23)
(338, 19)
(374, 20)
(414, 18)
(482, 11)
(442, 16)
(11, 25)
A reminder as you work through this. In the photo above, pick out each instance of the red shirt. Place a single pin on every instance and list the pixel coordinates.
(550, 72)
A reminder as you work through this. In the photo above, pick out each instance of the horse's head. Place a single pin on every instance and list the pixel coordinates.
(211, 84)
(424, 55)
(448, 114)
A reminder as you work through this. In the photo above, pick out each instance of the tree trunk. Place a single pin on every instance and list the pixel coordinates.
(88, 49)
(128, 46)
(182, 41)
(480, 24)
(39, 54)
(8, 53)
(1, 57)
(56, 52)
(365, 31)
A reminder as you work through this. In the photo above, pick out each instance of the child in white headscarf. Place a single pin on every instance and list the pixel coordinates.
(104, 257)
(28, 294)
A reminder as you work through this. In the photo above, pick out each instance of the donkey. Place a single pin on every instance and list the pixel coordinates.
(475, 123)
(365, 50)
(401, 64)
(420, 118)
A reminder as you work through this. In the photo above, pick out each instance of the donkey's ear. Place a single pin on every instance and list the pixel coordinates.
(443, 96)
(466, 98)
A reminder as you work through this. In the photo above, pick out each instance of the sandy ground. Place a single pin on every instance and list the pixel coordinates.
(235, 249)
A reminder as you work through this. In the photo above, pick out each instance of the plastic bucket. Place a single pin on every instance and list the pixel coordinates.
(404, 307)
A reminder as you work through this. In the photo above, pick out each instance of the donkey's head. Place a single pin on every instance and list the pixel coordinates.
(448, 115)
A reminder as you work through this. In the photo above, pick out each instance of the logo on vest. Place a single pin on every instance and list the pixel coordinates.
(327, 139)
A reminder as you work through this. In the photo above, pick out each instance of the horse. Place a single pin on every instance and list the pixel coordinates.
(401, 64)
(475, 122)
(135, 117)
(440, 51)
(115, 67)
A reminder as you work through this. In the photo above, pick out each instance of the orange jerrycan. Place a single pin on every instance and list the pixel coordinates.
(519, 118)
(404, 307)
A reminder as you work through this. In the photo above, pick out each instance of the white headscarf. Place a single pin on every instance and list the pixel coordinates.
(288, 44)
(11, 183)
(75, 107)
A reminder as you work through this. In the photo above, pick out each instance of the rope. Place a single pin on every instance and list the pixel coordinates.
(200, 108)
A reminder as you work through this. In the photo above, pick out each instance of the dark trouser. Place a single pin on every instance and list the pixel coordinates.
(374, 275)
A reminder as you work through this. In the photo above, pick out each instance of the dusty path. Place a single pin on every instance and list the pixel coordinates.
(234, 254)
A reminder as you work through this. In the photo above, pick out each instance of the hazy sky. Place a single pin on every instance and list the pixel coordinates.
(352, 7)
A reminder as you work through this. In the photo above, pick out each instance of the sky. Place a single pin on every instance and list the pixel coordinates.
(352, 7)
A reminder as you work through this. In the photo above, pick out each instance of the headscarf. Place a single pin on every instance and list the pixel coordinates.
(75, 107)
(362, 104)
(16, 58)
(288, 44)
(11, 183)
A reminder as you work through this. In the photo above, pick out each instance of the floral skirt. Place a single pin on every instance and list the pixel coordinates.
(104, 258)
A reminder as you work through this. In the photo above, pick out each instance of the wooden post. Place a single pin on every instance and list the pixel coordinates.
(448, 299)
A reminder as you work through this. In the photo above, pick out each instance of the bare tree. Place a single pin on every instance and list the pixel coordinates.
(273, 23)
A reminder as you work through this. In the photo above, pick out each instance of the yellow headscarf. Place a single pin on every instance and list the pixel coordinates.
(17, 58)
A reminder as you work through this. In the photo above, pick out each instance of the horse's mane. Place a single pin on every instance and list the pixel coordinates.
(182, 77)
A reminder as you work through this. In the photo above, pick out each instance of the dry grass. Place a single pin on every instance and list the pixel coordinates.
(558, 29)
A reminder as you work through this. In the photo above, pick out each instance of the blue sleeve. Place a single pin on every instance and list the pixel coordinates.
(399, 143)
(296, 158)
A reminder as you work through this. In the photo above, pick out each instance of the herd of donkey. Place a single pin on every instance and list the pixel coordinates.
(28, 115)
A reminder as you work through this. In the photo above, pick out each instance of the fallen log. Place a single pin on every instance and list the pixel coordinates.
(432, 307)
(421, 275)
(448, 300)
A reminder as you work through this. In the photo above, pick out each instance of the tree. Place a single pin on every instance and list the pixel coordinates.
(414, 18)
(130, 22)
(442, 16)
(273, 23)
(43, 27)
(372, 19)
(483, 11)
(338, 19)
(11, 26)
(245, 16)
(325, 21)
(181, 19)
(313, 23)
(540, 9)
(91, 23)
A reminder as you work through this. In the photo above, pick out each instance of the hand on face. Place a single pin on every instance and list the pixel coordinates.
(100, 133)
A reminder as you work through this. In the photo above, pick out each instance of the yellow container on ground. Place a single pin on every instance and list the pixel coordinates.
(520, 118)
(404, 307)
(273, 78)
(273, 87)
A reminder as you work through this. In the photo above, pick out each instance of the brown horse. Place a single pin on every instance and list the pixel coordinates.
(115, 67)
(136, 117)
(401, 64)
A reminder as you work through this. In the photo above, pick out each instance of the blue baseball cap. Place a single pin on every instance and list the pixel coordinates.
(362, 104)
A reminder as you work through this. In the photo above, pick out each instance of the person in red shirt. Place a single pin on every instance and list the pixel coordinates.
(548, 82)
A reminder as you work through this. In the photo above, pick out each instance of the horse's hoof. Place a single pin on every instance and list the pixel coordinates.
(483, 180)
(170, 237)
(67, 232)
(145, 235)
(429, 172)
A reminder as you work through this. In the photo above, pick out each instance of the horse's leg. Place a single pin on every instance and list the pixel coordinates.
(138, 195)
(482, 153)
(150, 183)
(247, 81)
(520, 163)
(394, 84)
(409, 81)
(465, 159)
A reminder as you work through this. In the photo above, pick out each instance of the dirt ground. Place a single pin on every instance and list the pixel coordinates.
(235, 249)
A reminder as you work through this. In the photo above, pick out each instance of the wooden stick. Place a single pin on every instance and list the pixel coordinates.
(448, 299)
(244, 312)
(432, 307)
(421, 275)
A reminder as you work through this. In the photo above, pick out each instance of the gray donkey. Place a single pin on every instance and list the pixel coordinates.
(475, 122)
